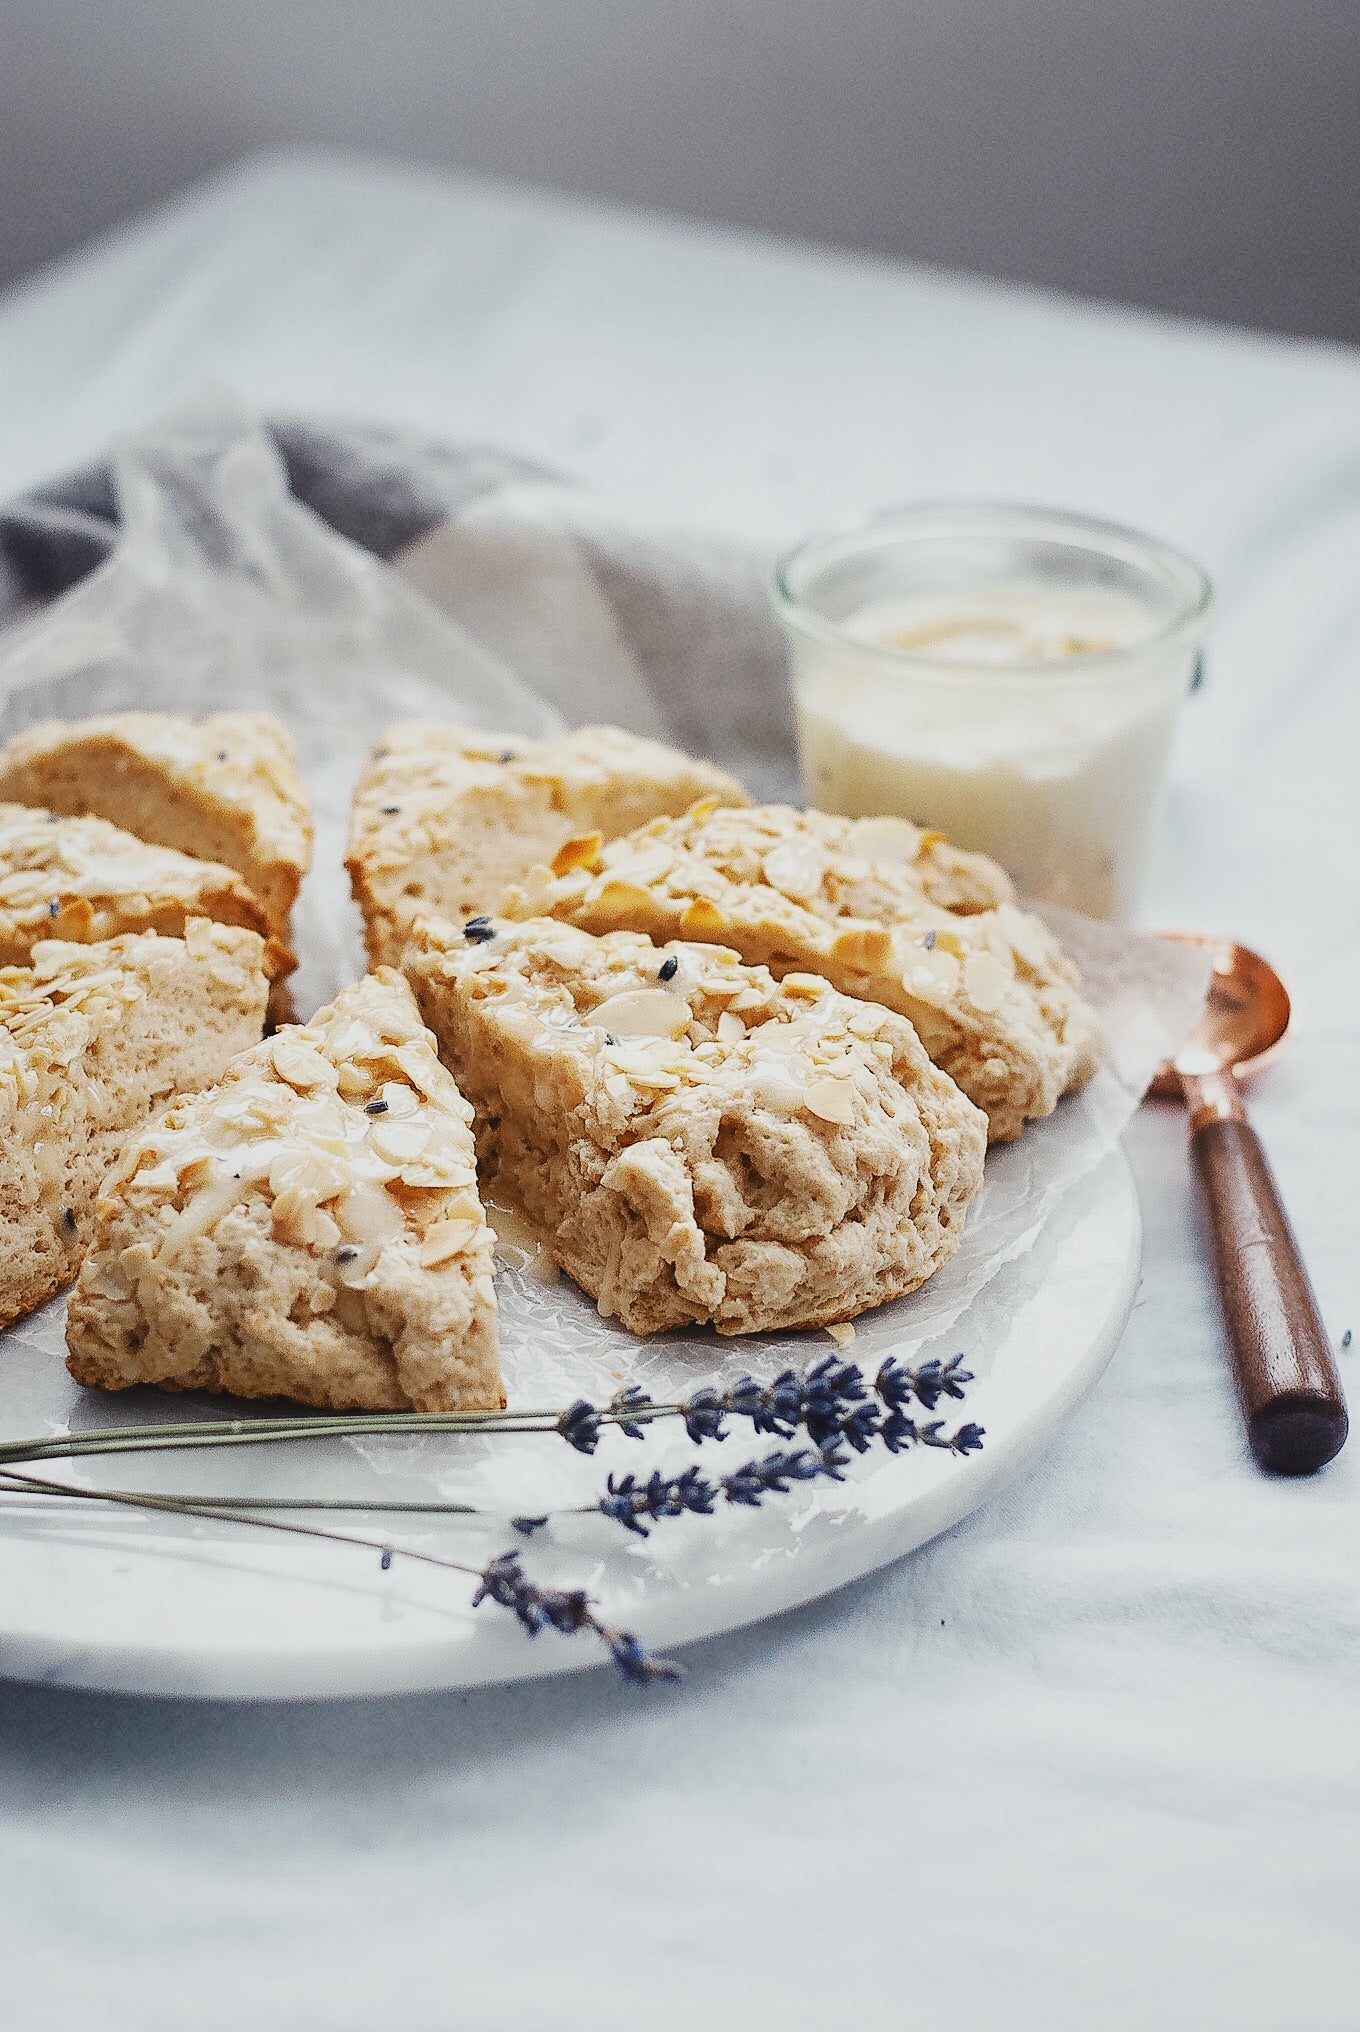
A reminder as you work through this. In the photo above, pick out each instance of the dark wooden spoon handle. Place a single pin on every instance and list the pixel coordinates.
(1291, 1392)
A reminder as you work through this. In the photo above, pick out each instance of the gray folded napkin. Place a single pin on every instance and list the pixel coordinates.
(660, 629)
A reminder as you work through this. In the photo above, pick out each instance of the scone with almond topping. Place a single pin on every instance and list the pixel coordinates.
(882, 910)
(83, 879)
(221, 788)
(444, 817)
(308, 1228)
(93, 1040)
(696, 1141)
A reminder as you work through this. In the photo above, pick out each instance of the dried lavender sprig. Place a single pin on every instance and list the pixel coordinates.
(502, 1580)
(568, 1610)
(629, 1501)
(625, 1498)
(831, 1402)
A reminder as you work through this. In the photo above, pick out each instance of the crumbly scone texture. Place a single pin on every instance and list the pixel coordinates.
(94, 1039)
(221, 788)
(697, 1142)
(84, 880)
(882, 910)
(309, 1228)
(445, 817)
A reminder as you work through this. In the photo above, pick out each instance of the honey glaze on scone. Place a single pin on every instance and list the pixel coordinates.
(698, 1142)
(93, 1040)
(310, 1228)
(881, 909)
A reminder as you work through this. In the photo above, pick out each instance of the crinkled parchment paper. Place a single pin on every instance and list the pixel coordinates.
(227, 593)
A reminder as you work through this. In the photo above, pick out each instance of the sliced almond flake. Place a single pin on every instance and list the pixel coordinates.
(200, 1217)
(641, 1012)
(396, 1143)
(368, 1213)
(796, 870)
(887, 839)
(702, 920)
(1025, 934)
(831, 1100)
(429, 1174)
(771, 1088)
(399, 1101)
(809, 987)
(642, 865)
(842, 1332)
(308, 1172)
(300, 1065)
(934, 977)
(731, 1029)
(581, 852)
(985, 981)
(419, 1066)
(623, 899)
(446, 1240)
(862, 945)
(356, 1040)
(866, 1022)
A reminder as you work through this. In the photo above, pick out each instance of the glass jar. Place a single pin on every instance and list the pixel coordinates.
(1008, 675)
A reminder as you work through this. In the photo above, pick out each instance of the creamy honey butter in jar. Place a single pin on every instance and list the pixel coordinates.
(1008, 675)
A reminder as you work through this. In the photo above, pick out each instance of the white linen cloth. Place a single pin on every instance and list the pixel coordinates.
(1091, 1759)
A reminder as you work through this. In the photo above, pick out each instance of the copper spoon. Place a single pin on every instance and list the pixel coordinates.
(1281, 1356)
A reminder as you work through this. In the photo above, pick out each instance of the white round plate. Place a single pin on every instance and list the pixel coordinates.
(123, 1600)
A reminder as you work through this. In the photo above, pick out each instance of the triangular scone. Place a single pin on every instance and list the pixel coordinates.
(84, 879)
(310, 1228)
(222, 788)
(696, 1141)
(882, 910)
(93, 1040)
(445, 817)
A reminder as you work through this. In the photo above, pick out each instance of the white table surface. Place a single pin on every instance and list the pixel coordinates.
(1092, 1760)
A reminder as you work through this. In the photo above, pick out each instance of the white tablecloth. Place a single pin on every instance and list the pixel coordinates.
(1091, 1760)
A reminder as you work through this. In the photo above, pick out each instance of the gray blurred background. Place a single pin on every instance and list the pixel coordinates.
(1197, 155)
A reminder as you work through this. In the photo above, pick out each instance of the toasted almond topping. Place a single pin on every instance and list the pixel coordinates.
(985, 981)
(622, 899)
(809, 987)
(642, 1012)
(445, 1240)
(396, 1143)
(932, 976)
(772, 1088)
(581, 852)
(701, 920)
(301, 1065)
(863, 945)
(831, 1100)
(887, 839)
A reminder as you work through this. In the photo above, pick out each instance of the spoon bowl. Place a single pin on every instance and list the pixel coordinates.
(1245, 1017)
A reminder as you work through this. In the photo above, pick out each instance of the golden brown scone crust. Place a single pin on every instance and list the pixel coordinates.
(697, 1142)
(221, 788)
(309, 1228)
(83, 879)
(93, 1040)
(882, 910)
(444, 817)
